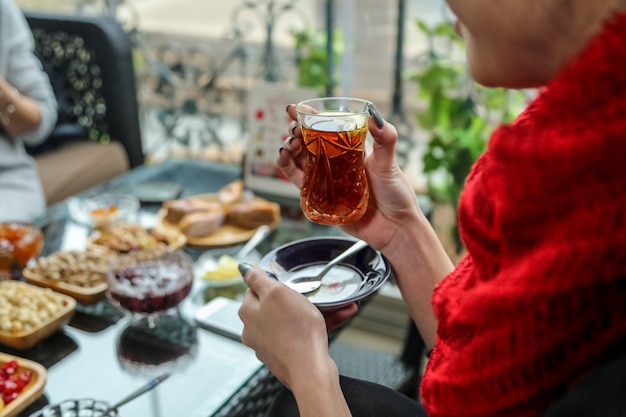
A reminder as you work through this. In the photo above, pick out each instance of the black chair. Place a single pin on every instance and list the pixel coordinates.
(89, 61)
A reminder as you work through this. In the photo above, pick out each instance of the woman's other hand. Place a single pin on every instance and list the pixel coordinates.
(287, 332)
(337, 317)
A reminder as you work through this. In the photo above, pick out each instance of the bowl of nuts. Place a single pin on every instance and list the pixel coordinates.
(19, 243)
(77, 273)
(30, 313)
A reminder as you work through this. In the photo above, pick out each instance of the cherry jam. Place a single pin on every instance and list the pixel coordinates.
(151, 285)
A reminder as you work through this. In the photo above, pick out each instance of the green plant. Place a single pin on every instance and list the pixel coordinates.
(312, 58)
(459, 114)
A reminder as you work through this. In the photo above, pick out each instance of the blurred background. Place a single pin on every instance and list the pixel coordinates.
(196, 59)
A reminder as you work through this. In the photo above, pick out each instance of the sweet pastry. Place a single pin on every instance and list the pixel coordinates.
(202, 223)
(231, 193)
(177, 209)
(201, 216)
(252, 214)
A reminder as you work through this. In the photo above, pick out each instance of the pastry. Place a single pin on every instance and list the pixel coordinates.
(252, 214)
(202, 223)
(177, 209)
(231, 193)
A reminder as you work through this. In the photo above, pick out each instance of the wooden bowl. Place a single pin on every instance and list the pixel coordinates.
(79, 274)
(31, 391)
(25, 339)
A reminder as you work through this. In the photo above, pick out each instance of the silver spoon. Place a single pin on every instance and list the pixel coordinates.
(259, 235)
(305, 285)
(151, 384)
(252, 243)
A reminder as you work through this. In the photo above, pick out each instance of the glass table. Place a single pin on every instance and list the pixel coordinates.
(102, 355)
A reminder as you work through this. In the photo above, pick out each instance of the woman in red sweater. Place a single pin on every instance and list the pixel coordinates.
(540, 299)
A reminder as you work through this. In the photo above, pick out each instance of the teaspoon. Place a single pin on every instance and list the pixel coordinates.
(151, 384)
(305, 285)
(256, 238)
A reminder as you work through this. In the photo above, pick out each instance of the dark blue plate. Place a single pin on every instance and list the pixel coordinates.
(354, 278)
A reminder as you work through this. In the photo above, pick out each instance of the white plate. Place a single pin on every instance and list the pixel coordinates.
(355, 278)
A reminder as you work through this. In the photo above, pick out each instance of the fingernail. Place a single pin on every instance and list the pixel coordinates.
(281, 149)
(290, 139)
(287, 108)
(378, 119)
(293, 128)
(244, 267)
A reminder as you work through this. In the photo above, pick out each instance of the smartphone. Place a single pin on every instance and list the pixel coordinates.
(157, 192)
(220, 316)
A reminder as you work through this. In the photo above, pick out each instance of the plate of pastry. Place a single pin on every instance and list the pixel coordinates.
(128, 237)
(228, 217)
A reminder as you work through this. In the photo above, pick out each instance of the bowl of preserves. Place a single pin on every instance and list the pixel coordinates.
(149, 282)
(19, 243)
(21, 382)
(102, 209)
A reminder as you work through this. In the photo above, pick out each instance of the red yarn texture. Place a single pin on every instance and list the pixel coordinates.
(541, 295)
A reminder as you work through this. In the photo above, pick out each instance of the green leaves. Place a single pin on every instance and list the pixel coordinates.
(312, 57)
(459, 113)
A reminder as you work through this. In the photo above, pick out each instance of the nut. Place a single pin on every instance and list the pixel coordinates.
(79, 268)
(26, 307)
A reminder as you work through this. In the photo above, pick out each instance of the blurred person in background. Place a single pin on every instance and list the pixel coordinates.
(28, 113)
(532, 322)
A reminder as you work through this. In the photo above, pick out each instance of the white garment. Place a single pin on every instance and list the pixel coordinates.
(21, 195)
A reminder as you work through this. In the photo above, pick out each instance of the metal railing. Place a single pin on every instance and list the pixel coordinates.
(191, 90)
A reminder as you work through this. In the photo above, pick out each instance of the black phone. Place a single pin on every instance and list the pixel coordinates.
(220, 316)
(157, 192)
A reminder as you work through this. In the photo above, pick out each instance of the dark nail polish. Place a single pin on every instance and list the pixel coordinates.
(244, 267)
(378, 119)
(290, 139)
(287, 108)
(281, 149)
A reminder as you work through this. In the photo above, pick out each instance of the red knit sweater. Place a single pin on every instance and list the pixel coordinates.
(541, 295)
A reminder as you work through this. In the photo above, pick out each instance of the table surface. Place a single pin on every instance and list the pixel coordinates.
(102, 354)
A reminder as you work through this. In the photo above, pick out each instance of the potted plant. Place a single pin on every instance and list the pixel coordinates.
(312, 58)
(459, 114)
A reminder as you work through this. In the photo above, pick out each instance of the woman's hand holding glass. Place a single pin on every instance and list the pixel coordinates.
(288, 333)
(392, 200)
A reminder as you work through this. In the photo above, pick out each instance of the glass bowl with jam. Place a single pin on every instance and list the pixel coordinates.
(19, 243)
(149, 282)
(103, 209)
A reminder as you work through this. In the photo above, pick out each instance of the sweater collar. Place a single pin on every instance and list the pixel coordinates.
(592, 77)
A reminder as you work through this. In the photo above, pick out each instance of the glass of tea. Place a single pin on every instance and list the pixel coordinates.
(334, 188)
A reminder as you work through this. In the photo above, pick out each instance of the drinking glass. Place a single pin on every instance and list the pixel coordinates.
(149, 282)
(19, 243)
(334, 188)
